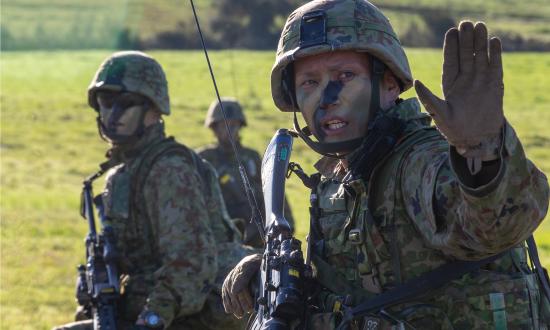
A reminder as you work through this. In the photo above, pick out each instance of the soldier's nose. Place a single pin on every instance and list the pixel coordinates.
(330, 94)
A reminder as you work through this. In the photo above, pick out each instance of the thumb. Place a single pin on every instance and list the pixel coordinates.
(433, 104)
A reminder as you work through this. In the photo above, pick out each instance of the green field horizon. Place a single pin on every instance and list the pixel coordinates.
(49, 144)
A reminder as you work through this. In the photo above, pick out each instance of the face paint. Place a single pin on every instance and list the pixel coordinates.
(121, 116)
(333, 93)
(330, 96)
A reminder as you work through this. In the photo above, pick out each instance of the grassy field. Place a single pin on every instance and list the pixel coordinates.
(49, 144)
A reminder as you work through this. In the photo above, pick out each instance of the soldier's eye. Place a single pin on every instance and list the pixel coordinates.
(106, 100)
(309, 83)
(346, 76)
(126, 100)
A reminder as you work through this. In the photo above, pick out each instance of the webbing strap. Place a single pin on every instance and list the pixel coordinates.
(416, 287)
(534, 256)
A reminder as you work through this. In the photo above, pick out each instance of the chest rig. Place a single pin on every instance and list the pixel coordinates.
(358, 253)
(125, 206)
(355, 249)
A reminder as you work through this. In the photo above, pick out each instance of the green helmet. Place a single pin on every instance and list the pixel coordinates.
(132, 71)
(233, 110)
(323, 26)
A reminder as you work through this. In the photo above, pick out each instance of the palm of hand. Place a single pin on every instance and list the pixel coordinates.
(471, 112)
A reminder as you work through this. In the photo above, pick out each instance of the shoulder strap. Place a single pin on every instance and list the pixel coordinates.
(151, 156)
(139, 176)
(415, 287)
(540, 271)
(399, 153)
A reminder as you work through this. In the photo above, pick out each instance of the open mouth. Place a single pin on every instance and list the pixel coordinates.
(334, 126)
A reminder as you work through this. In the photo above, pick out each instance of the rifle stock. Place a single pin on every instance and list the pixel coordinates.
(280, 295)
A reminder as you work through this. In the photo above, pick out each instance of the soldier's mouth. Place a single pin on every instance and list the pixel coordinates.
(334, 126)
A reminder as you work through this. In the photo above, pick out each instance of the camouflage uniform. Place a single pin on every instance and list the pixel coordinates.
(175, 239)
(417, 210)
(225, 163)
(424, 216)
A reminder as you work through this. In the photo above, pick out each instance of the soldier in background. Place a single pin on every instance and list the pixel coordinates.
(399, 198)
(174, 237)
(222, 157)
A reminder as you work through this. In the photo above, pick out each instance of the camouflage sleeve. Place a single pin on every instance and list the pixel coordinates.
(473, 223)
(183, 239)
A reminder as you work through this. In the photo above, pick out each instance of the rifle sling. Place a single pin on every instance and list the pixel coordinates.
(414, 288)
(534, 255)
(420, 285)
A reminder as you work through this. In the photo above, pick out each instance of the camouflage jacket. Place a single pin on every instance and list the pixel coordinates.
(232, 188)
(175, 238)
(418, 213)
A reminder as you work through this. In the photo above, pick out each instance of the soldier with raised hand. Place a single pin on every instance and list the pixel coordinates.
(399, 198)
(174, 239)
(222, 157)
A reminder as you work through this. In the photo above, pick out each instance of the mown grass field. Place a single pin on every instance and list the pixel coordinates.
(49, 144)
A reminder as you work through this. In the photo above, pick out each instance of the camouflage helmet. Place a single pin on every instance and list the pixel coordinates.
(233, 110)
(132, 71)
(348, 25)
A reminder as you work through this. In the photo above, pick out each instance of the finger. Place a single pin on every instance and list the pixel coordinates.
(245, 301)
(433, 104)
(495, 57)
(466, 46)
(226, 301)
(481, 58)
(450, 59)
(230, 302)
(237, 310)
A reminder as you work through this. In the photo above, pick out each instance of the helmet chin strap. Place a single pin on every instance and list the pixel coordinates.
(341, 149)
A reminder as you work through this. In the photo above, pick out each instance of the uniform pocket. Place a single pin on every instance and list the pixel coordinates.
(116, 196)
(501, 304)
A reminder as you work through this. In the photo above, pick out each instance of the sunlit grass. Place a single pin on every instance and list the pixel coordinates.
(49, 144)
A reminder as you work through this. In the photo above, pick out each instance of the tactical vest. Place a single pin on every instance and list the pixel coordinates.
(125, 209)
(369, 245)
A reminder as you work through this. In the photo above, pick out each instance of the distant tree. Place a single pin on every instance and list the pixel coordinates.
(250, 23)
(127, 40)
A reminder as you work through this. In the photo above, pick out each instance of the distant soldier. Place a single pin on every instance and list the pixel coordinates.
(175, 240)
(221, 156)
(442, 212)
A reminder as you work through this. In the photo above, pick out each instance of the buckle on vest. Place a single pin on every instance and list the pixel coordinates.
(355, 236)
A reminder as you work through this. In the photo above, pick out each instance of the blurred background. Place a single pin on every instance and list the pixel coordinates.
(51, 49)
(250, 24)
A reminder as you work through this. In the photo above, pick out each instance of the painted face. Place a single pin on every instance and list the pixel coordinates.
(333, 92)
(120, 113)
(221, 131)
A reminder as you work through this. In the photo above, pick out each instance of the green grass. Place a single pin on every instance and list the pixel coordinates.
(49, 144)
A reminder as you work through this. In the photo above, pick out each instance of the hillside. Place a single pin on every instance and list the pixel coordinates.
(103, 24)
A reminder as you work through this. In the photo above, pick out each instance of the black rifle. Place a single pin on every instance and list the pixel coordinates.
(280, 298)
(98, 287)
